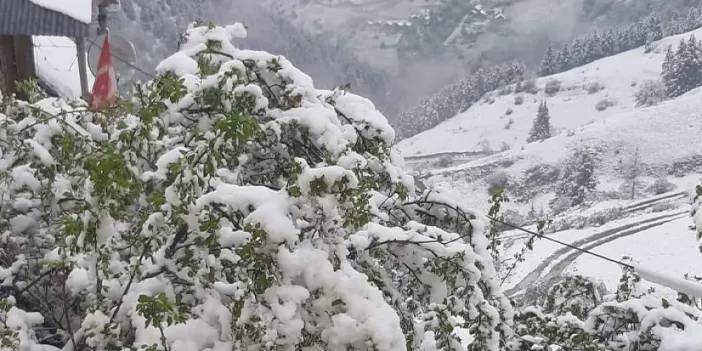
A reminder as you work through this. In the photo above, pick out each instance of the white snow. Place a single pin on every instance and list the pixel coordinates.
(572, 109)
(56, 64)
(670, 247)
(673, 282)
(81, 10)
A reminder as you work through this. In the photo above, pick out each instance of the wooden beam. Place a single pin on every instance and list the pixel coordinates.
(24, 57)
(8, 68)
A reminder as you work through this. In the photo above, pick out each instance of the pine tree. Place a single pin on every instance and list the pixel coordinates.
(693, 19)
(593, 48)
(577, 53)
(541, 130)
(682, 70)
(693, 63)
(548, 64)
(563, 61)
(668, 75)
(578, 178)
(609, 43)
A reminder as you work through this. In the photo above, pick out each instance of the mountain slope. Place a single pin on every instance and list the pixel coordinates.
(464, 155)
(656, 131)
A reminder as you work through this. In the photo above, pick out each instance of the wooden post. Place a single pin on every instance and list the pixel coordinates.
(82, 67)
(24, 57)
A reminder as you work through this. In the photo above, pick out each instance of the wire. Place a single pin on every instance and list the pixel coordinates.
(137, 68)
(531, 232)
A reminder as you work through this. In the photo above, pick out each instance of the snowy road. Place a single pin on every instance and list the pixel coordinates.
(555, 264)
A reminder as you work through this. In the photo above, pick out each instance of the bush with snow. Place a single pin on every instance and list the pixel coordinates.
(552, 87)
(604, 104)
(578, 179)
(650, 93)
(575, 316)
(661, 186)
(594, 87)
(230, 205)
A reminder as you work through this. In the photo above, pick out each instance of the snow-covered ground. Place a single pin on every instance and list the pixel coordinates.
(663, 240)
(670, 247)
(573, 113)
(57, 66)
(449, 156)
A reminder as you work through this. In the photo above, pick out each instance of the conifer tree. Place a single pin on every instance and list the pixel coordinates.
(563, 61)
(577, 53)
(667, 74)
(541, 130)
(608, 43)
(548, 64)
(578, 178)
(682, 70)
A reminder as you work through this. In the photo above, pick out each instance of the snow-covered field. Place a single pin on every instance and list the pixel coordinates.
(671, 247)
(498, 128)
(656, 131)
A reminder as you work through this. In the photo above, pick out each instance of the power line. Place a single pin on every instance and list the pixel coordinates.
(533, 233)
(126, 62)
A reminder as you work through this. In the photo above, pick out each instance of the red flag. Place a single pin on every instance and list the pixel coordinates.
(105, 92)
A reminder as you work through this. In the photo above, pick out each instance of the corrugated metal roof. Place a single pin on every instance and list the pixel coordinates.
(21, 17)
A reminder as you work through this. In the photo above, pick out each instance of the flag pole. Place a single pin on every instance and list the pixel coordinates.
(82, 67)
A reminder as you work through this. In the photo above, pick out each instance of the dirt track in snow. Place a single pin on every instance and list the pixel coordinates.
(552, 268)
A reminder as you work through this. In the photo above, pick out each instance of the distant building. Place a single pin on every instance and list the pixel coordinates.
(19, 21)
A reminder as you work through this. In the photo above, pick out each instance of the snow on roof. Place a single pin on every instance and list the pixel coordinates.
(81, 10)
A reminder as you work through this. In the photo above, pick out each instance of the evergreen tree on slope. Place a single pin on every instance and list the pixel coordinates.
(549, 63)
(541, 130)
(578, 179)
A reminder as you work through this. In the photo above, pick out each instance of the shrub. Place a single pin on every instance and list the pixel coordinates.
(604, 104)
(509, 111)
(509, 124)
(497, 181)
(650, 93)
(444, 161)
(661, 186)
(594, 87)
(541, 175)
(527, 86)
(505, 90)
(518, 100)
(552, 87)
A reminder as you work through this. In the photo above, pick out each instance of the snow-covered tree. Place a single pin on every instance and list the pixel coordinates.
(549, 64)
(696, 212)
(457, 97)
(230, 205)
(634, 318)
(682, 69)
(564, 60)
(650, 93)
(557, 322)
(541, 130)
(643, 32)
(578, 178)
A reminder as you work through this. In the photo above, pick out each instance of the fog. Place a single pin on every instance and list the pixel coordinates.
(332, 56)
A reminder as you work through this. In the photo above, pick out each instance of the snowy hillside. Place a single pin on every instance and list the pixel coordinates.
(487, 145)
(499, 120)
